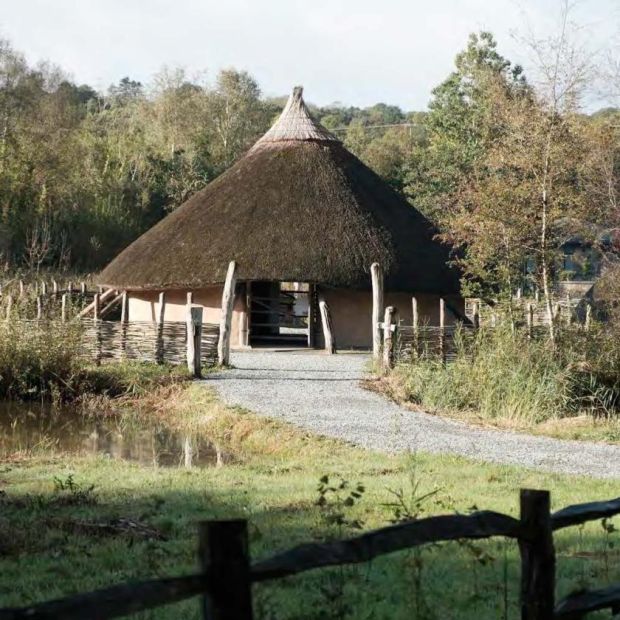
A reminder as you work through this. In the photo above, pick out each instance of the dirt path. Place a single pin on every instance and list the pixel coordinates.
(322, 394)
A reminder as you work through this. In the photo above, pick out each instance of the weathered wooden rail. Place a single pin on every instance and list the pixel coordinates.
(226, 578)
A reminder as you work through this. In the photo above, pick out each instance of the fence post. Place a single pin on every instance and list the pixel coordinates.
(9, 307)
(588, 319)
(43, 287)
(389, 339)
(159, 345)
(228, 300)
(39, 307)
(55, 288)
(224, 557)
(415, 320)
(442, 330)
(194, 339)
(530, 320)
(96, 323)
(476, 315)
(22, 288)
(63, 307)
(124, 321)
(537, 556)
(376, 275)
(311, 316)
(326, 321)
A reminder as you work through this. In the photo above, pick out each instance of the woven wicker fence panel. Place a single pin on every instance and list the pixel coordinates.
(427, 342)
(145, 341)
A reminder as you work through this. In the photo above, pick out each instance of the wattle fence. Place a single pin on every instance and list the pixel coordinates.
(146, 341)
(226, 576)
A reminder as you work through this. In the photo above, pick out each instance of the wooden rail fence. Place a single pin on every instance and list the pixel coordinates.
(226, 576)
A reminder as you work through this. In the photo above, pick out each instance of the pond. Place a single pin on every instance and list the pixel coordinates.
(37, 427)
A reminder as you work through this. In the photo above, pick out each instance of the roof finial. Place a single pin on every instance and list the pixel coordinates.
(295, 123)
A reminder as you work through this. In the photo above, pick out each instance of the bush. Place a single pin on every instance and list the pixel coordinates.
(38, 358)
(501, 374)
(45, 360)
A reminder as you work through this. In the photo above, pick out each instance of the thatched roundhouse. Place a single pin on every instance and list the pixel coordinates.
(303, 218)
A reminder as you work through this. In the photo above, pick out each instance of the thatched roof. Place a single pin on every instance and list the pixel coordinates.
(297, 207)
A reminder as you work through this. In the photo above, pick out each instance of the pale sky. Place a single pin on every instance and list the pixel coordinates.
(356, 52)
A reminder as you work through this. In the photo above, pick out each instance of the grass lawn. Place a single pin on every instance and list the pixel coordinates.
(56, 511)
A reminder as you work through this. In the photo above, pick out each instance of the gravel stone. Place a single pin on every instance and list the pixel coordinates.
(322, 393)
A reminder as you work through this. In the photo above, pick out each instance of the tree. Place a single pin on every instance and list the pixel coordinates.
(456, 131)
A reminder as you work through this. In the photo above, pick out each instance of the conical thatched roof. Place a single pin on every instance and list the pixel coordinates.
(297, 207)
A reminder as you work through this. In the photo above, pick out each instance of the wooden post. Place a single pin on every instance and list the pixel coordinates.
(228, 300)
(97, 325)
(124, 307)
(9, 307)
(537, 556)
(389, 339)
(225, 560)
(243, 317)
(588, 319)
(311, 309)
(83, 288)
(530, 320)
(96, 306)
(416, 327)
(326, 322)
(22, 288)
(442, 330)
(476, 315)
(70, 287)
(55, 288)
(43, 288)
(376, 274)
(159, 345)
(63, 307)
(39, 307)
(194, 339)
(124, 322)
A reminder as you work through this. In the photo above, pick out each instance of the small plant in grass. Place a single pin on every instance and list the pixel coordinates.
(409, 504)
(69, 492)
(336, 498)
(608, 544)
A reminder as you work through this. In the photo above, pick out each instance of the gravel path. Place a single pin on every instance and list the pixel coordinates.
(322, 394)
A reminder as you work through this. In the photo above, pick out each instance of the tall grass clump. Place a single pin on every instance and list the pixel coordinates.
(39, 359)
(501, 374)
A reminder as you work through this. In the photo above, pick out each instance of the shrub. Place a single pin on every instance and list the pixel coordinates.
(501, 374)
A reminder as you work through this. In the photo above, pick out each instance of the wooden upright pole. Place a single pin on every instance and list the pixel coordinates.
(9, 307)
(377, 308)
(389, 339)
(194, 339)
(530, 320)
(442, 329)
(63, 307)
(159, 347)
(416, 326)
(124, 321)
(225, 559)
(243, 317)
(537, 556)
(326, 322)
(228, 300)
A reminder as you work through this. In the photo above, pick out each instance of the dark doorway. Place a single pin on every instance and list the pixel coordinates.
(280, 314)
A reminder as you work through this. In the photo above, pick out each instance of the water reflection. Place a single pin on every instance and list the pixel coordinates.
(27, 427)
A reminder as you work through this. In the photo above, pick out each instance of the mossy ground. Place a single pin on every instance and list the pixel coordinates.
(49, 502)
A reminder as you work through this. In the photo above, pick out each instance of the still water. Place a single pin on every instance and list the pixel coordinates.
(36, 427)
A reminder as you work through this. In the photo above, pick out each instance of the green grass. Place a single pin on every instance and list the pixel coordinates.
(48, 501)
(505, 379)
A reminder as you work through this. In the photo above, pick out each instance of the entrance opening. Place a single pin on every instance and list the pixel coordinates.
(280, 314)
